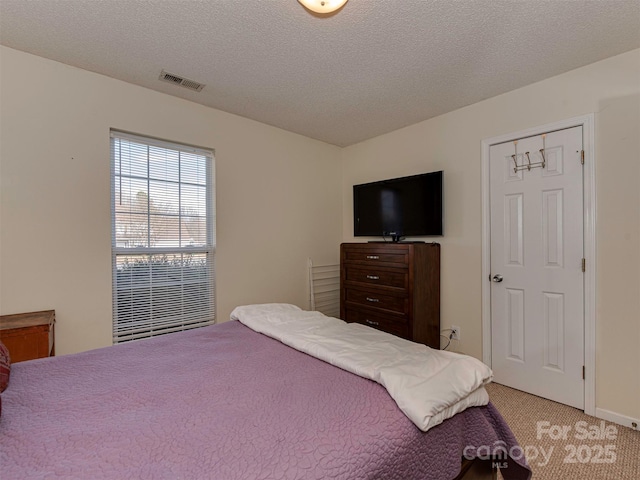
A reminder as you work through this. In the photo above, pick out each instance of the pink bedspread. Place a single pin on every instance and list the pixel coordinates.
(220, 402)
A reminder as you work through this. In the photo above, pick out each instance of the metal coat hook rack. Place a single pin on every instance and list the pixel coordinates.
(528, 166)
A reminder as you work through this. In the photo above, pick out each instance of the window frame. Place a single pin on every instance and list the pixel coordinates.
(208, 250)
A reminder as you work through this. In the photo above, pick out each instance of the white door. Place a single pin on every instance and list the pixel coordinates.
(537, 288)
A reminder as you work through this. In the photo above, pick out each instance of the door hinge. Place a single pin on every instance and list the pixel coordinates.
(583, 372)
(582, 157)
(584, 265)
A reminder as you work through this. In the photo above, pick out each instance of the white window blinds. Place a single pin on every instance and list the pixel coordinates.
(163, 237)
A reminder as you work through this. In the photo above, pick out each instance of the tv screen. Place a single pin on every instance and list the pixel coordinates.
(399, 207)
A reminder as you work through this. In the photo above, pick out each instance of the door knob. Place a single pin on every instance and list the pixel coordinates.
(497, 278)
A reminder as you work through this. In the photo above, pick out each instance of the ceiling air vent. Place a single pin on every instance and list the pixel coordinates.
(183, 82)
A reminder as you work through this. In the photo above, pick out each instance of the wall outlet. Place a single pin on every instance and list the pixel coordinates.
(455, 332)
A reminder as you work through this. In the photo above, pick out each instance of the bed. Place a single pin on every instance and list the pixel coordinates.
(227, 402)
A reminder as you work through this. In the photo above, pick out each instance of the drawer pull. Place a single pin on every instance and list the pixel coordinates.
(374, 300)
(373, 257)
(371, 322)
(373, 277)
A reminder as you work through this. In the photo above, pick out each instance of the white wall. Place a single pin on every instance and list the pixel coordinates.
(278, 195)
(611, 89)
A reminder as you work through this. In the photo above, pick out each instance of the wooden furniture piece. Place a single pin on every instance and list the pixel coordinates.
(394, 287)
(477, 469)
(28, 335)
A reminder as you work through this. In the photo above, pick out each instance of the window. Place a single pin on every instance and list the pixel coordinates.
(163, 237)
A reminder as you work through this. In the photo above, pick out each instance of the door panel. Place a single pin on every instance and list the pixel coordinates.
(537, 316)
(515, 323)
(552, 228)
(513, 229)
(554, 331)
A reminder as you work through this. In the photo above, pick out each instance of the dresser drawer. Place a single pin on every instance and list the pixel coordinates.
(376, 299)
(395, 325)
(376, 255)
(375, 275)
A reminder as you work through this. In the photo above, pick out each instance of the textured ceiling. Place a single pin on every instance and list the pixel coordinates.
(375, 66)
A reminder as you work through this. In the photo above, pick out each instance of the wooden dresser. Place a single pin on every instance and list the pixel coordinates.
(394, 287)
(28, 335)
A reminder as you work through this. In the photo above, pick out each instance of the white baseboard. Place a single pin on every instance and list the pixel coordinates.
(614, 417)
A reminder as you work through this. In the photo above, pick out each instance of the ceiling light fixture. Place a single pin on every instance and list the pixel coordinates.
(323, 6)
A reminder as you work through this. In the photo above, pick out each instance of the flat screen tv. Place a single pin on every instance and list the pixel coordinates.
(399, 207)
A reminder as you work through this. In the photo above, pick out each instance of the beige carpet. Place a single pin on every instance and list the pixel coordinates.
(553, 457)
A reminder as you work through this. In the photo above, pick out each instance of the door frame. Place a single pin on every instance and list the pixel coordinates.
(589, 212)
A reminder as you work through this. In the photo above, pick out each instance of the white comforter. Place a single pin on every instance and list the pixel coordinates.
(428, 385)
